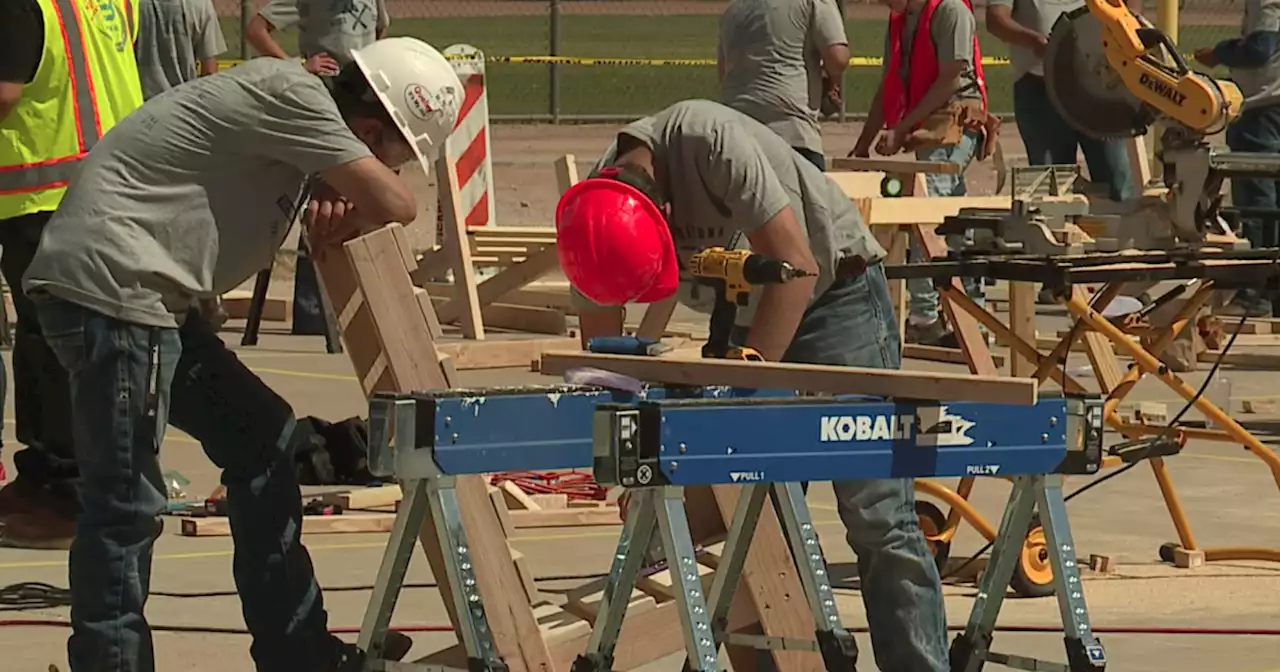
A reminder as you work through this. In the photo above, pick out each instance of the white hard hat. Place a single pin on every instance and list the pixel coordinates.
(419, 89)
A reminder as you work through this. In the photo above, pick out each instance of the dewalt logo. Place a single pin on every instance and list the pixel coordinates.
(1162, 89)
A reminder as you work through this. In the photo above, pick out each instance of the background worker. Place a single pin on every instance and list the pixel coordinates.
(116, 272)
(932, 100)
(58, 61)
(328, 33)
(772, 57)
(1255, 66)
(698, 175)
(1025, 26)
(179, 40)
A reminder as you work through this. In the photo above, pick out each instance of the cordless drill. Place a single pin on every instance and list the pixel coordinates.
(732, 274)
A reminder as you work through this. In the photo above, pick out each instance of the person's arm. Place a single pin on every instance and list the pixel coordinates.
(384, 20)
(1252, 51)
(952, 31)
(275, 15)
(206, 37)
(21, 44)
(826, 33)
(872, 126)
(734, 169)
(373, 189)
(1001, 23)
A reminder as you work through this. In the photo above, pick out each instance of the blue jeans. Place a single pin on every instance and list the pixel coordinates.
(922, 304)
(127, 382)
(1256, 130)
(853, 324)
(1050, 140)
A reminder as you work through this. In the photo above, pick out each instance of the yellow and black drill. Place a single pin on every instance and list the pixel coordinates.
(732, 274)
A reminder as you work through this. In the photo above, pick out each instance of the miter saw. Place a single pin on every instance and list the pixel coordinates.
(1111, 75)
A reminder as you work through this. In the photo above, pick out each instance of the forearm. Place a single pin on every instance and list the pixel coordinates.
(834, 62)
(599, 323)
(1253, 51)
(778, 316)
(1011, 32)
(208, 66)
(874, 123)
(937, 96)
(259, 37)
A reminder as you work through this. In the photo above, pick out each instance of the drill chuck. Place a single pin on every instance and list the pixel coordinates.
(758, 269)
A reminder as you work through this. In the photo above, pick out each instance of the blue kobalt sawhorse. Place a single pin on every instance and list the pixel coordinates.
(660, 447)
(427, 439)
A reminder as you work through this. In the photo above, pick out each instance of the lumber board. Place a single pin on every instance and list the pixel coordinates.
(355, 322)
(584, 601)
(236, 304)
(566, 172)
(503, 354)
(219, 526)
(936, 353)
(656, 317)
(526, 577)
(908, 210)
(893, 166)
(466, 300)
(365, 498)
(808, 377)
(857, 184)
(510, 279)
(566, 517)
(519, 318)
(537, 297)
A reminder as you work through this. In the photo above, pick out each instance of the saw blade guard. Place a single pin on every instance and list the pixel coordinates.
(1083, 86)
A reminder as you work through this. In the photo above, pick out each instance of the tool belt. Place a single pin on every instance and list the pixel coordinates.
(946, 126)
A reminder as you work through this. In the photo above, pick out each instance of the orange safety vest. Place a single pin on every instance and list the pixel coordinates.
(86, 82)
(898, 98)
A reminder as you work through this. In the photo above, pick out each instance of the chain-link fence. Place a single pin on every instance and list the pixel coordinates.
(619, 59)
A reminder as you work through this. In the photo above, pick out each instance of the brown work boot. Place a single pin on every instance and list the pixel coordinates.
(928, 333)
(18, 498)
(41, 529)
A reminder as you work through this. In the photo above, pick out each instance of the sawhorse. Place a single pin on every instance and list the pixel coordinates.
(261, 283)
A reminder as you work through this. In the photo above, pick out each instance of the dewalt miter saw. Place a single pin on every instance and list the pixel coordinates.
(1111, 75)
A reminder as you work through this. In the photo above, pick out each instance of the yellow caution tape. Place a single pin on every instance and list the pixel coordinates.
(856, 61)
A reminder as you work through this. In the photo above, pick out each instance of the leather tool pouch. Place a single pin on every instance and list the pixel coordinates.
(946, 126)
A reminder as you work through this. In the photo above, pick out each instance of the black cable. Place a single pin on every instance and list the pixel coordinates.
(1145, 451)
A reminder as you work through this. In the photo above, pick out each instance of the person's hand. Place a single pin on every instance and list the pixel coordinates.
(1204, 56)
(1040, 46)
(623, 500)
(321, 64)
(862, 150)
(331, 220)
(890, 142)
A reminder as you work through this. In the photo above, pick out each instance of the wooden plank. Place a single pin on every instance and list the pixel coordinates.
(526, 577)
(1022, 321)
(584, 601)
(359, 333)
(520, 318)
(538, 297)
(504, 354)
(857, 184)
(516, 497)
(809, 377)
(455, 241)
(932, 210)
(567, 517)
(499, 501)
(894, 166)
(656, 317)
(365, 498)
(218, 526)
(566, 172)
(236, 304)
(512, 278)
(935, 353)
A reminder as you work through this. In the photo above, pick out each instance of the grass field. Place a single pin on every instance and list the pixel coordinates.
(635, 90)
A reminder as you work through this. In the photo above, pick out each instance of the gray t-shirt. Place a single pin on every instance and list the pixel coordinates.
(952, 31)
(771, 51)
(173, 37)
(726, 174)
(335, 27)
(191, 194)
(1260, 86)
(1037, 15)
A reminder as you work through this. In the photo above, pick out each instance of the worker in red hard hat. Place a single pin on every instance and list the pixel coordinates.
(698, 175)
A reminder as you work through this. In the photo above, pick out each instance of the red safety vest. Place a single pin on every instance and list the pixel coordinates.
(898, 98)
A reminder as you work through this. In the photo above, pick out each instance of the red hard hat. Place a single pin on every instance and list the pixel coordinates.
(614, 244)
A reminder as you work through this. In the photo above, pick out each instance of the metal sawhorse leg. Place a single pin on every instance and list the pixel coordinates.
(434, 495)
(972, 649)
(704, 619)
(253, 323)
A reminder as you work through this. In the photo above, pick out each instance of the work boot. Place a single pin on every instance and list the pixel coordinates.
(351, 659)
(928, 333)
(42, 529)
(18, 497)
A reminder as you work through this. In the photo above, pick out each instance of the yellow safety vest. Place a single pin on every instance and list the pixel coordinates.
(87, 82)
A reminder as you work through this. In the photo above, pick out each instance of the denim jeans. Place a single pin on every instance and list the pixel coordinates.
(41, 398)
(127, 382)
(1257, 130)
(922, 304)
(853, 324)
(1050, 140)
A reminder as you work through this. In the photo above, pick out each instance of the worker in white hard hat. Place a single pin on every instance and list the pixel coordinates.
(186, 199)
